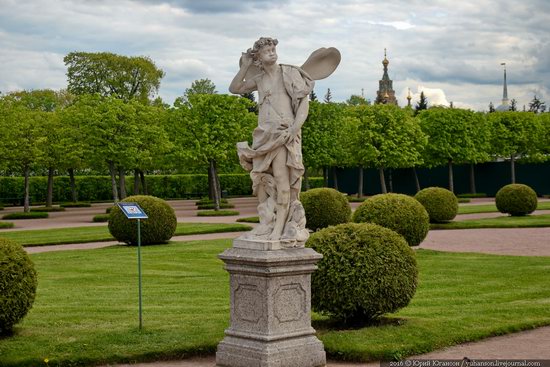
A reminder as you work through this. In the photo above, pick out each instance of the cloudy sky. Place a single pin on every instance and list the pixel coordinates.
(450, 49)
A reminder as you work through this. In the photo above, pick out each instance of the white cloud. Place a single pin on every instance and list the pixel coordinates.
(452, 48)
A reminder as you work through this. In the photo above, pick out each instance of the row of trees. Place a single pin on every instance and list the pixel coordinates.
(384, 136)
(110, 120)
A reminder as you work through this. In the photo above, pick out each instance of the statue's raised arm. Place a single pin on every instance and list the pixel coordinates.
(275, 158)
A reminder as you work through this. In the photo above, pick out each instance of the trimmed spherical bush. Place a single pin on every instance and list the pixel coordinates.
(516, 200)
(441, 204)
(366, 271)
(158, 228)
(398, 212)
(325, 207)
(18, 282)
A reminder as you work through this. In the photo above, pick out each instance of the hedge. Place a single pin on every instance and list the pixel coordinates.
(98, 188)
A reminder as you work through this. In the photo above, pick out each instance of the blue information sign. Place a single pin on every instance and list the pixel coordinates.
(132, 211)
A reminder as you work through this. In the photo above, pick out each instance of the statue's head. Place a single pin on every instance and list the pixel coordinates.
(267, 45)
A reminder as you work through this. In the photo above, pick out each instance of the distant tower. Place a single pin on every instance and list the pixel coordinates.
(385, 93)
(504, 106)
(409, 97)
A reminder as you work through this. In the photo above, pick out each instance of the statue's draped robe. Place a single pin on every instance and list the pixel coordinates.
(267, 140)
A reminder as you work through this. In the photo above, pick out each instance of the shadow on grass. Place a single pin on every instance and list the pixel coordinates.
(328, 324)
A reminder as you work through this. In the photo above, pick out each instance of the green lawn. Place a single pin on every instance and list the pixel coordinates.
(492, 208)
(57, 236)
(86, 307)
(527, 221)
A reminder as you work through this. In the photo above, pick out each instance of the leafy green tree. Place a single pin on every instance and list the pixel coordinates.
(213, 124)
(312, 96)
(252, 99)
(536, 105)
(110, 131)
(51, 102)
(452, 138)
(355, 100)
(328, 96)
(201, 86)
(515, 135)
(108, 74)
(395, 137)
(422, 104)
(513, 105)
(152, 142)
(23, 138)
(321, 142)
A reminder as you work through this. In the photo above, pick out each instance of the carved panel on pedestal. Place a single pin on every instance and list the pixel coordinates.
(248, 303)
(290, 302)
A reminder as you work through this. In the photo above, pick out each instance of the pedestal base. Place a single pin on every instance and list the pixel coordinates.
(270, 309)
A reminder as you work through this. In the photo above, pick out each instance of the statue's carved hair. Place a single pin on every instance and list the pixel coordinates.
(255, 50)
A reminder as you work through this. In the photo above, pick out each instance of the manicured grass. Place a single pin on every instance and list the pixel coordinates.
(212, 206)
(23, 215)
(216, 213)
(101, 218)
(249, 220)
(477, 195)
(6, 225)
(492, 208)
(499, 222)
(209, 201)
(86, 309)
(59, 236)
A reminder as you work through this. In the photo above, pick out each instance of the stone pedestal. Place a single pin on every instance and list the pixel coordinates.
(270, 307)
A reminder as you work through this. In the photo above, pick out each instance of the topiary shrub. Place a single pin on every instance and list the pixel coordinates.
(26, 215)
(366, 271)
(18, 282)
(441, 204)
(158, 228)
(398, 212)
(516, 200)
(325, 207)
(48, 209)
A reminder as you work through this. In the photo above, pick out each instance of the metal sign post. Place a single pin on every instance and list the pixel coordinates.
(133, 211)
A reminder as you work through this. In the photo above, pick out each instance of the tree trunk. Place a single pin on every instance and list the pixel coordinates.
(325, 176)
(26, 200)
(122, 182)
(360, 187)
(451, 179)
(306, 179)
(136, 181)
(335, 178)
(211, 193)
(390, 177)
(49, 195)
(472, 179)
(73, 185)
(113, 181)
(143, 183)
(216, 194)
(416, 181)
(513, 168)
(217, 181)
(382, 180)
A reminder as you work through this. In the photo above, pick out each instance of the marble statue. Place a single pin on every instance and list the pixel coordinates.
(275, 157)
